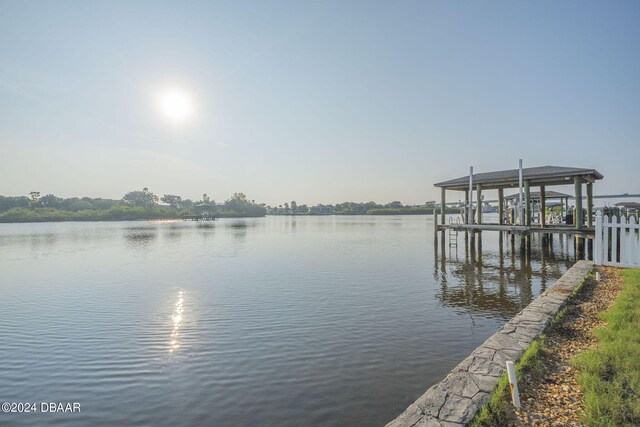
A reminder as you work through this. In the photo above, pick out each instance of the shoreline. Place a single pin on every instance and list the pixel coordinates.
(458, 398)
(219, 217)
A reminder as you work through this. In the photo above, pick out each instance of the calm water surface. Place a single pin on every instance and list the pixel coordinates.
(270, 321)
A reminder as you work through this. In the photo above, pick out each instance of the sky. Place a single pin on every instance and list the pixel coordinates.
(318, 102)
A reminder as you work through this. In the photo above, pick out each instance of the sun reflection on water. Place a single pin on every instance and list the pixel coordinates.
(174, 344)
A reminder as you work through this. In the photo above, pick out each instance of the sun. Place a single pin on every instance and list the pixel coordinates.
(176, 105)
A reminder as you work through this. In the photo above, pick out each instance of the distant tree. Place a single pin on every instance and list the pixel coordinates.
(7, 203)
(186, 204)
(171, 200)
(143, 198)
(294, 207)
(303, 209)
(35, 196)
(50, 201)
(80, 205)
(239, 205)
(205, 198)
(103, 204)
(394, 205)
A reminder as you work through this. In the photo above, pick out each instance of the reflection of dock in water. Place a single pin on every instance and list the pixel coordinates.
(498, 282)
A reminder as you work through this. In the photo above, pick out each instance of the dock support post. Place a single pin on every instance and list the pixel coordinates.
(527, 203)
(479, 213)
(589, 204)
(443, 202)
(543, 206)
(435, 225)
(577, 182)
(578, 245)
(442, 241)
(465, 220)
(470, 210)
(500, 206)
(466, 241)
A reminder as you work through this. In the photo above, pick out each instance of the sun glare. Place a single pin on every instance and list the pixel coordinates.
(176, 106)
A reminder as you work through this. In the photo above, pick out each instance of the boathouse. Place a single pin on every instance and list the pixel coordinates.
(541, 178)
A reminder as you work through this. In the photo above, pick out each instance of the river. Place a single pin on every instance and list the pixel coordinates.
(305, 321)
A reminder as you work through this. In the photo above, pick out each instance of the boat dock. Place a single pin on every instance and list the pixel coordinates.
(200, 217)
(585, 232)
(524, 212)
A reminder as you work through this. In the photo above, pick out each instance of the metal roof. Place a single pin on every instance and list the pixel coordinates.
(545, 175)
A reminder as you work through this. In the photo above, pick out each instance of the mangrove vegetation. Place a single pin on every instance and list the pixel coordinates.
(135, 205)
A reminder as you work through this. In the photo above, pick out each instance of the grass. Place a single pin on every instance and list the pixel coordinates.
(610, 372)
(495, 412)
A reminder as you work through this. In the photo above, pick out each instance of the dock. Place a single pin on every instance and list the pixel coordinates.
(517, 217)
(200, 217)
(585, 232)
(524, 212)
(203, 212)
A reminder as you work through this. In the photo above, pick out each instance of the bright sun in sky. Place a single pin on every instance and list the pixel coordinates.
(176, 105)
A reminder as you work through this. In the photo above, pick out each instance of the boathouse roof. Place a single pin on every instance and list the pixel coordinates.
(541, 175)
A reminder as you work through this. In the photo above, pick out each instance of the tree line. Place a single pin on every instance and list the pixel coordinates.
(138, 204)
(356, 208)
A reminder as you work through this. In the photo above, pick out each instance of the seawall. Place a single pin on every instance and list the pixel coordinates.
(456, 399)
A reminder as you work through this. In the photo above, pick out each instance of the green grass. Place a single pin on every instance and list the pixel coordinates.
(494, 413)
(610, 372)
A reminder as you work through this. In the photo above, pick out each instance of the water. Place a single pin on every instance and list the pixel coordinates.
(269, 321)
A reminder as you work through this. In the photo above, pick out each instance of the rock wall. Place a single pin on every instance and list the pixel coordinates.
(455, 400)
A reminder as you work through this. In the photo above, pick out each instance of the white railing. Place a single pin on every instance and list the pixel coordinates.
(617, 241)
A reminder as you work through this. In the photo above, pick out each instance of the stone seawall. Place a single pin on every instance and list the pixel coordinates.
(455, 400)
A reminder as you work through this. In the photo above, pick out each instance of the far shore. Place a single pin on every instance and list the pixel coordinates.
(103, 216)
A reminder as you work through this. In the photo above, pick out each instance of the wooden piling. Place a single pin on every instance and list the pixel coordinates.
(435, 225)
(500, 206)
(465, 218)
(589, 204)
(443, 203)
(527, 202)
(479, 209)
(543, 206)
(577, 181)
